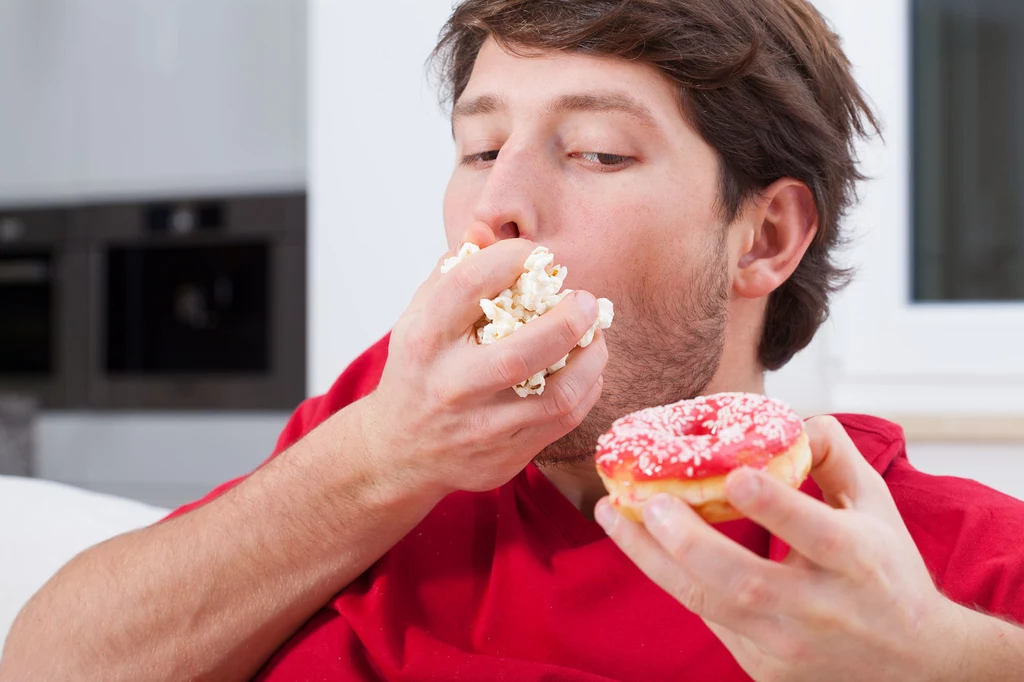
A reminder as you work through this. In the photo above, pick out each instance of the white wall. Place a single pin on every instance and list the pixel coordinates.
(123, 98)
(380, 153)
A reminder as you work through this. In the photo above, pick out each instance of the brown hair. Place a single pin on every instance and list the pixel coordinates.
(764, 82)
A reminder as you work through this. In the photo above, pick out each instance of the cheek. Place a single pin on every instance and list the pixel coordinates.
(610, 240)
(643, 255)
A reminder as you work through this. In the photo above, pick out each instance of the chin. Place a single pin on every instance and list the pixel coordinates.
(578, 445)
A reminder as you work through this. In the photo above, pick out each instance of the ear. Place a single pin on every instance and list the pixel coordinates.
(781, 226)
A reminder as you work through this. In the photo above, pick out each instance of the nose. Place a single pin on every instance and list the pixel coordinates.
(508, 202)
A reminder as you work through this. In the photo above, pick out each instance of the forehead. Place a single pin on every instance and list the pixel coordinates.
(533, 81)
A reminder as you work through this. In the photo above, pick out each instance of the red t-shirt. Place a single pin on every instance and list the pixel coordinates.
(515, 584)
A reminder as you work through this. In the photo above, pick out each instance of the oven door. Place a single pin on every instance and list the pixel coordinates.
(35, 356)
(27, 331)
(198, 305)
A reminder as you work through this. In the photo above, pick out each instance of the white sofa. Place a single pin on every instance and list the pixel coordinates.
(44, 524)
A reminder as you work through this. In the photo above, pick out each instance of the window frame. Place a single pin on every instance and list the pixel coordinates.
(887, 353)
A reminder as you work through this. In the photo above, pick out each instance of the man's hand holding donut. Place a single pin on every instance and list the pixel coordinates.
(853, 599)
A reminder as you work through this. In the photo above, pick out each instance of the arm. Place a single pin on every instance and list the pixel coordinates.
(993, 648)
(212, 594)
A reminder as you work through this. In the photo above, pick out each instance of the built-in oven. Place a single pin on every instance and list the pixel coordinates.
(196, 303)
(40, 308)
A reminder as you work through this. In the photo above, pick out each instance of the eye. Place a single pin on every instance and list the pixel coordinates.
(482, 157)
(605, 160)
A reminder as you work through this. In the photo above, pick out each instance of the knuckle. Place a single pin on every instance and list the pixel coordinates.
(834, 543)
(751, 592)
(564, 398)
(478, 422)
(449, 391)
(567, 334)
(692, 597)
(441, 392)
(868, 568)
(510, 366)
(467, 277)
(828, 425)
(523, 443)
(573, 327)
(680, 546)
(825, 618)
(574, 418)
(415, 340)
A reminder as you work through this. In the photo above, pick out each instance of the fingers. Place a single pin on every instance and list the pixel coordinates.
(839, 469)
(818, 532)
(533, 439)
(485, 274)
(533, 347)
(708, 573)
(567, 388)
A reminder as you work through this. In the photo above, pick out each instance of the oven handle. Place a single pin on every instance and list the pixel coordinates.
(24, 271)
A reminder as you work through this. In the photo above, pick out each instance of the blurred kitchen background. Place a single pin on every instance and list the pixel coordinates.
(209, 207)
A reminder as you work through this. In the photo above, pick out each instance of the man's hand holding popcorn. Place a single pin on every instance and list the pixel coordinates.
(443, 413)
(535, 292)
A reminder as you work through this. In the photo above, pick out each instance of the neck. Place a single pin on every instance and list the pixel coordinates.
(581, 485)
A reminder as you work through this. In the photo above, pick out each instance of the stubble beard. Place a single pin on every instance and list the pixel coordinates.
(660, 352)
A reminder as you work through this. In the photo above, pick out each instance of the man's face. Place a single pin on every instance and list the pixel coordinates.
(591, 157)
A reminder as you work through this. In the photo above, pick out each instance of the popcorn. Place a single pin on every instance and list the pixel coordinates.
(605, 314)
(450, 263)
(535, 292)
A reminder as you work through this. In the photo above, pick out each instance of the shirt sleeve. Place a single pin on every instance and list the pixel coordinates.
(969, 535)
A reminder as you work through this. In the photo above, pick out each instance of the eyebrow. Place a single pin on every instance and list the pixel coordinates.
(569, 103)
(478, 106)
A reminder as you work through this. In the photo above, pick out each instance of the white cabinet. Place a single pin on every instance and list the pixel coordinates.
(103, 98)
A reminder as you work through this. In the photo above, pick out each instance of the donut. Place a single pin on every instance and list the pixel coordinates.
(687, 449)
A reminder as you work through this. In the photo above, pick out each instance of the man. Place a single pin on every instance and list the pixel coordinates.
(690, 160)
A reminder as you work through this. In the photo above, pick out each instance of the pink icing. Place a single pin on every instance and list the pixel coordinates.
(693, 439)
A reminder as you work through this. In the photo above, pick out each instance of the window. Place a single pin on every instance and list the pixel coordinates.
(968, 140)
(933, 325)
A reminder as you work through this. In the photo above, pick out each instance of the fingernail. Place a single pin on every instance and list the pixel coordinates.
(658, 509)
(744, 487)
(587, 302)
(605, 515)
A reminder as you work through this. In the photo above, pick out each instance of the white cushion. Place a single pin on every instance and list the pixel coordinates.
(44, 524)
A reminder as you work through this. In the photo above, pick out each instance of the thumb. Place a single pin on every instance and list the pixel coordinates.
(478, 233)
(840, 470)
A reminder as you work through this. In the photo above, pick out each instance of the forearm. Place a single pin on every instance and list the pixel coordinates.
(213, 594)
(994, 648)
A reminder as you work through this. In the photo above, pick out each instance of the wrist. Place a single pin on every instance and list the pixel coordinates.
(978, 646)
(950, 651)
(399, 475)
